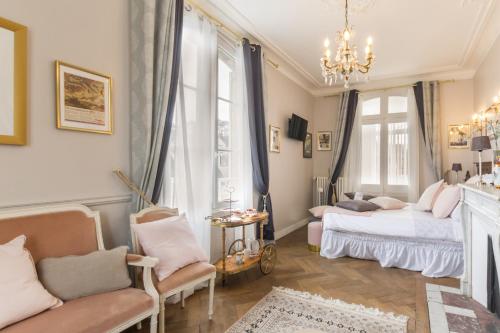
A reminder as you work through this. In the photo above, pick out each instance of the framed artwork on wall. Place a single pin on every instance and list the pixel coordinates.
(307, 146)
(83, 99)
(459, 136)
(324, 140)
(274, 139)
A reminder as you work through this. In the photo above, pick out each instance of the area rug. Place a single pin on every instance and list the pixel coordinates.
(289, 311)
(450, 311)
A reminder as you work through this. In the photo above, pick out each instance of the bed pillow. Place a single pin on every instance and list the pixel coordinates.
(357, 205)
(73, 277)
(172, 241)
(388, 203)
(428, 198)
(318, 211)
(446, 202)
(456, 215)
(23, 295)
(366, 196)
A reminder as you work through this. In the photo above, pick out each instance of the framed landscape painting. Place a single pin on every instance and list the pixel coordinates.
(83, 99)
(459, 136)
(274, 139)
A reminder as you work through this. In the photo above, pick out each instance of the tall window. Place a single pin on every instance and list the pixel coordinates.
(385, 150)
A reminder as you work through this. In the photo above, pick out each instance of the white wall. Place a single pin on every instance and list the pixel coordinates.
(325, 119)
(290, 173)
(61, 165)
(456, 108)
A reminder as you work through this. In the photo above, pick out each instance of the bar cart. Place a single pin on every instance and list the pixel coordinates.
(233, 261)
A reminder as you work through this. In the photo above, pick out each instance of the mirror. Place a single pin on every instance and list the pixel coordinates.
(12, 83)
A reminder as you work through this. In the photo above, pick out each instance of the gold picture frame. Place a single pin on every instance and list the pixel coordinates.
(274, 139)
(15, 131)
(83, 99)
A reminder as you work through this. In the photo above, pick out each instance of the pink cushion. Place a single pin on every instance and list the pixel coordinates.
(22, 295)
(319, 211)
(314, 233)
(172, 241)
(446, 202)
(428, 198)
(387, 203)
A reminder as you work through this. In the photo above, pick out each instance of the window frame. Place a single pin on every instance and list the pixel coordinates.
(384, 118)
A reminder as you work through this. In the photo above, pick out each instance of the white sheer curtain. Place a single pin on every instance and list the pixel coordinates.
(189, 172)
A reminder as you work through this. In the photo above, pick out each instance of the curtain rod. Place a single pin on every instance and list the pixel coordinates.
(190, 4)
(388, 88)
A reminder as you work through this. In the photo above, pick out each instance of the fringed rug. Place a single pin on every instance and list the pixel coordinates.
(288, 311)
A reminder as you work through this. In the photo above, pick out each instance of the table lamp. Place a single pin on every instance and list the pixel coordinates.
(480, 143)
(456, 167)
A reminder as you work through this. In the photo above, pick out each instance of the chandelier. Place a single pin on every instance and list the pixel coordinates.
(346, 60)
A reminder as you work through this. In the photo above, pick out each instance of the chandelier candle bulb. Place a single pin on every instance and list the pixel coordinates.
(326, 43)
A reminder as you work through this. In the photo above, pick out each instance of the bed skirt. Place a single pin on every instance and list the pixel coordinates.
(434, 258)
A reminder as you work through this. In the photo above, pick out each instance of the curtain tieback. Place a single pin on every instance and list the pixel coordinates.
(264, 200)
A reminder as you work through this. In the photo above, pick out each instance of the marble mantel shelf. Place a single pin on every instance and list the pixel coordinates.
(486, 190)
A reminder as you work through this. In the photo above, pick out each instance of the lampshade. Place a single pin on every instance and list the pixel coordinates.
(456, 167)
(480, 143)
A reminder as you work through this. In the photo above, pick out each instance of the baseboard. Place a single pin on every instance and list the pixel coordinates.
(291, 228)
(90, 202)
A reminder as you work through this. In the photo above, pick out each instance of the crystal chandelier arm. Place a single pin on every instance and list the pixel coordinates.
(364, 68)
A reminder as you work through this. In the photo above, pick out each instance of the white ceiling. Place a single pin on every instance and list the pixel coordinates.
(411, 37)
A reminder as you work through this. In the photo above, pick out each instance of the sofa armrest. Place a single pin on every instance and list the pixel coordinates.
(138, 260)
(146, 263)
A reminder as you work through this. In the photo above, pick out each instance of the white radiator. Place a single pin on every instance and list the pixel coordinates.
(320, 191)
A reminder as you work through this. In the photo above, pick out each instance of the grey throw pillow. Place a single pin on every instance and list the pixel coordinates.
(366, 196)
(358, 205)
(78, 276)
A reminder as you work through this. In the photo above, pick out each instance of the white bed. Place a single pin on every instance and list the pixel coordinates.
(404, 238)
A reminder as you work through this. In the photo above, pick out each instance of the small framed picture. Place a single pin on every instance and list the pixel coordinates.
(83, 99)
(459, 136)
(274, 139)
(324, 139)
(307, 146)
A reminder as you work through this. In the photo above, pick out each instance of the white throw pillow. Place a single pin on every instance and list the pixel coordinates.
(319, 211)
(428, 198)
(172, 241)
(23, 295)
(388, 203)
(446, 202)
(456, 215)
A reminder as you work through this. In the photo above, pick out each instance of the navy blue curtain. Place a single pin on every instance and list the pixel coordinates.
(252, 55)
(174, 80)
(352, 104)
(418, 90)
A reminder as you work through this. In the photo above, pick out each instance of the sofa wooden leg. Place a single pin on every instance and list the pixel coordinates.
(153, 327)
(162, 315)
(211, 298)
(183, 303)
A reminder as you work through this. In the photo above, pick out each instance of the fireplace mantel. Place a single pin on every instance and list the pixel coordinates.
(481, 220)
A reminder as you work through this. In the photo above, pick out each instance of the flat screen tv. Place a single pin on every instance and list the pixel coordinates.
(297, 128)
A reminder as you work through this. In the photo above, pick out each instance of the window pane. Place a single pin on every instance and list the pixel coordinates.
(370, 154)
(224, 87)
(224, 125)
(398, 104)
(371, 107)
(397, 154)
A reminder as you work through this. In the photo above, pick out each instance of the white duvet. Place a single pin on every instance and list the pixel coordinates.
(405, 222)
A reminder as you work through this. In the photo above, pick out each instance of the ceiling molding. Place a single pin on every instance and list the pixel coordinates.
(482, 20)
(384, 83)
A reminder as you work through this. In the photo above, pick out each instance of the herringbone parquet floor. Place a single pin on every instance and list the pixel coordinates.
(352, 280)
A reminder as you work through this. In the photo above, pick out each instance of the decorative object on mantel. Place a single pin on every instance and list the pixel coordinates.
(480, 143)
(13, 82)
(83, 99)
(346, 60)
(287, 310)
(496, 172)
(457, 167)
(458, 136)
(467, 175)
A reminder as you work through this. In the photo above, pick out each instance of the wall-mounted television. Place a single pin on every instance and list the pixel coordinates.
(297, 128)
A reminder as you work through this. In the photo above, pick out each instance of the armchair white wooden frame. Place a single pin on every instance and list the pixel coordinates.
(161, 213)
(147, 263)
